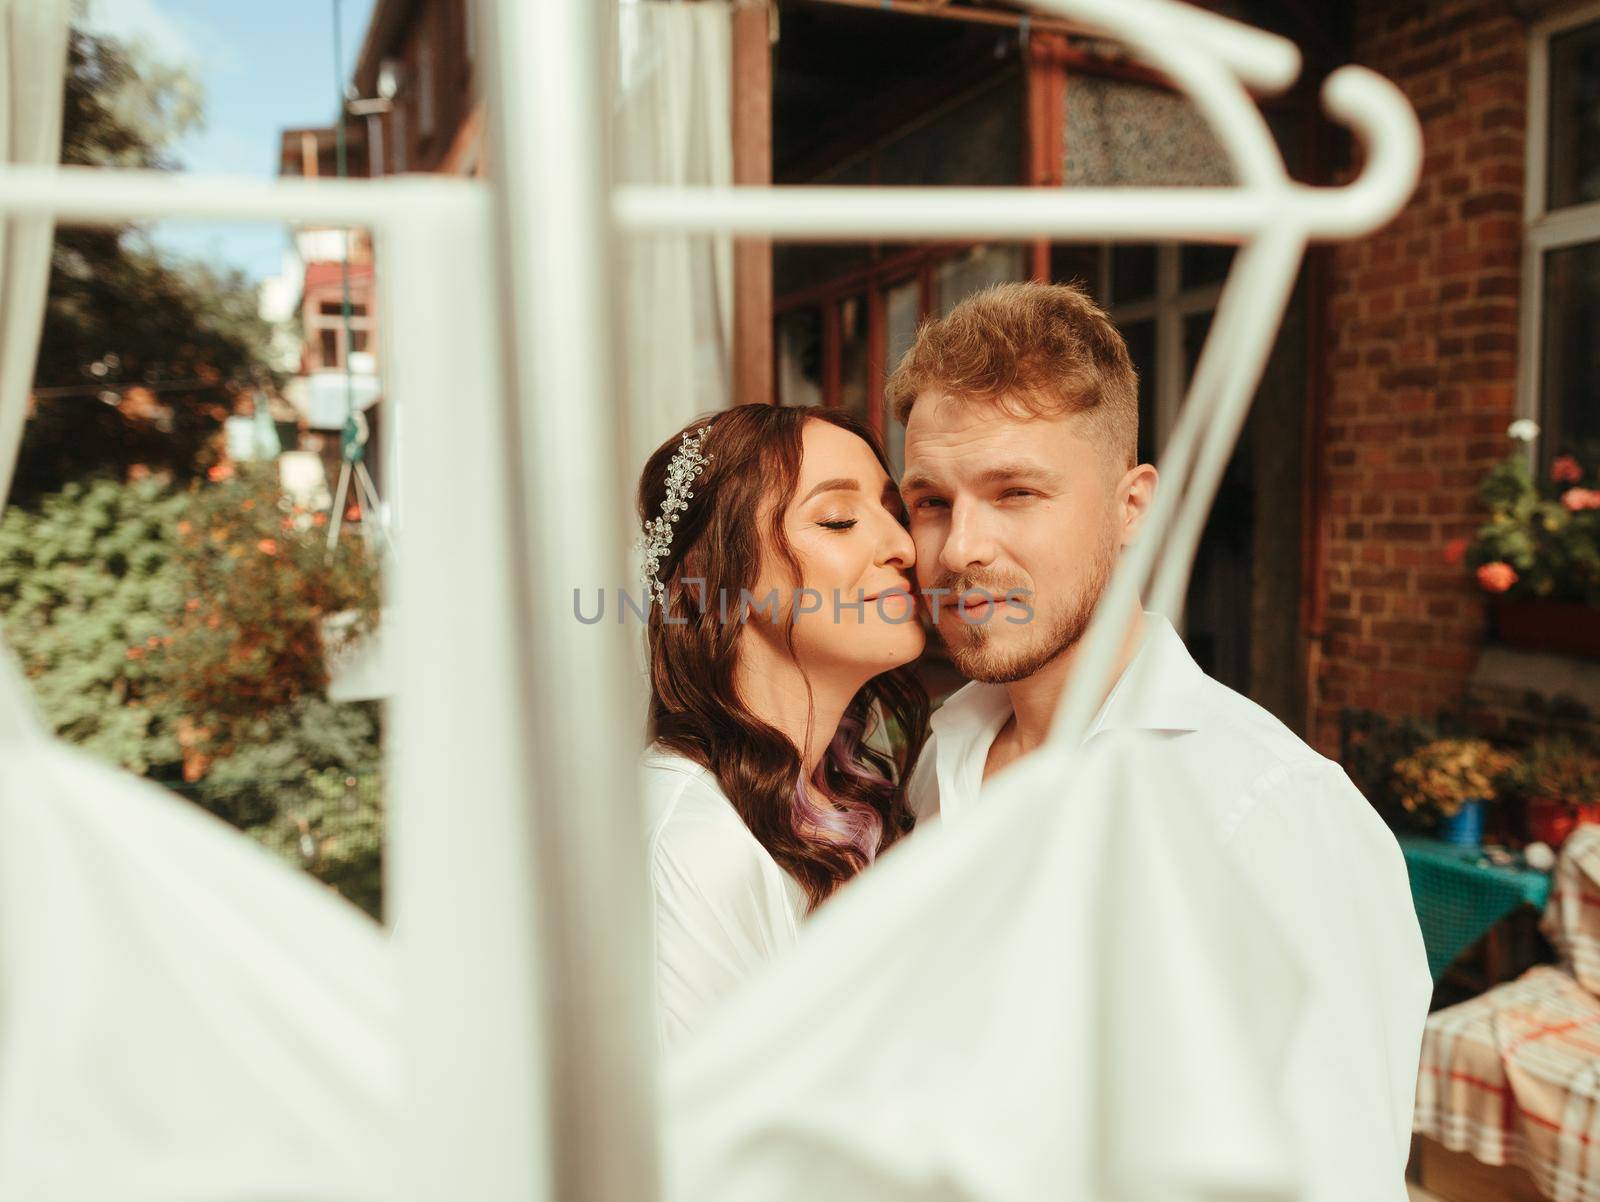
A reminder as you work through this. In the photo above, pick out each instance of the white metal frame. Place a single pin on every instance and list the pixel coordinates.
(1544, 230)
(517, 868)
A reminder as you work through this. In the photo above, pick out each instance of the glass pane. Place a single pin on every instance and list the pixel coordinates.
(1570, 370)
(329, 345)
(1217, 629)
(1200, 264)
(902, 309)
(1133, 273)
(853, 355)
(1141, 339)
(1077, 263)
(800, 357)
(1195, 328)
(956, 279)
(1574, 150)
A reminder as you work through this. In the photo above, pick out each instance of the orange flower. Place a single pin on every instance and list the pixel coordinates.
(135, 652)
(1566, 470)
(1456, 550)
(267, 546)
(319, 519)
(1576, 499)
(352, 514)
(248, 506)
(1497, 577)
(185, 526)
(192, 604)
(219, 472)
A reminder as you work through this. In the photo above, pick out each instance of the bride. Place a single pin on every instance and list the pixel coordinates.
(783, 717)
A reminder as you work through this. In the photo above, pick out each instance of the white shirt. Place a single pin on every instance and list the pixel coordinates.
(723, 908)
(1308, 847)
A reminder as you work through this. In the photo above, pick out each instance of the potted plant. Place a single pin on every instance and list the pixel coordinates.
(1452, 779)
(1538, 555)
(1559, 783)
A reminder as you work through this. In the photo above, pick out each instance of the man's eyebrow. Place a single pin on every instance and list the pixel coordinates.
(1000, 473)
(837, 484)
(1003, 473)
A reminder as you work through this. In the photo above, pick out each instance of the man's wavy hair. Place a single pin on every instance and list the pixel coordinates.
(1031, 350)
(737, 508)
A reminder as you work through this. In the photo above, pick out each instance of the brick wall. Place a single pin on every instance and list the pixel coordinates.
(1422, 354)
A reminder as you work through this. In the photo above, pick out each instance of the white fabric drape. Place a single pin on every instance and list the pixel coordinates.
(674, 127)
(182, 1016)
(33, 48)
(1067, 997)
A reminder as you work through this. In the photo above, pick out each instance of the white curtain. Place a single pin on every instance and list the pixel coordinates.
(182, 1016)
(33, 51)
(674, 127)
(1067, 997)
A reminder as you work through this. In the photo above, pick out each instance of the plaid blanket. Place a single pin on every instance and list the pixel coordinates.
(1513, 1076)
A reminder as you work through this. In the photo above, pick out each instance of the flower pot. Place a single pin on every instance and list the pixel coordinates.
(1551, 820)
(1464, 828)
(1562, 627)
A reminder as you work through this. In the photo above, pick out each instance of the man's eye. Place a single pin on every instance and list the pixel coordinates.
(1018, 492)
(928, 502)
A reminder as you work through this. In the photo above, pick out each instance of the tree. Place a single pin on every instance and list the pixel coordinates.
(141, 357)
(176, 631)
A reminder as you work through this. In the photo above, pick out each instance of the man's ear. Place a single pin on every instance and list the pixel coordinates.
(1135, 494)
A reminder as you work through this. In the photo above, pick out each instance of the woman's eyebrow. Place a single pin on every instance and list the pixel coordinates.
(837, 484)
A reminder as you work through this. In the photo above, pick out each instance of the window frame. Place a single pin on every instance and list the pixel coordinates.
(1544, 230)
(1169, 307)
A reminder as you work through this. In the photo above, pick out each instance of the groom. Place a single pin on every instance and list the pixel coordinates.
(1021, 415)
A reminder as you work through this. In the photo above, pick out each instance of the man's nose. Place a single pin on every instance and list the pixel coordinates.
(970, 541)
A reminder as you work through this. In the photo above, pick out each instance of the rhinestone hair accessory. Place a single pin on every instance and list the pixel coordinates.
(684, 469)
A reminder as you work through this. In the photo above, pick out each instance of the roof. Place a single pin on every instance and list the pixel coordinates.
(324, 275)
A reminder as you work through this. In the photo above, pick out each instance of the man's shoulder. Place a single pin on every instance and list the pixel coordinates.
(1253, 735)
(1246, 758)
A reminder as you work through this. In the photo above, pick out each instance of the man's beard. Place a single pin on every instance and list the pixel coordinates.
(978, 655)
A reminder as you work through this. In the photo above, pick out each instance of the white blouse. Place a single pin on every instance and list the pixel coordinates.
(722, 907)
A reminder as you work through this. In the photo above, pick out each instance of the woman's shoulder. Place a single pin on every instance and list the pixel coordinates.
(680, 792)
(693, 827)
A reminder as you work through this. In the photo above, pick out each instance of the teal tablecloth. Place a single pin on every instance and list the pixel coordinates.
(1458, 898)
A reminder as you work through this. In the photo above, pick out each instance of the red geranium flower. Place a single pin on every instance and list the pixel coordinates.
(1497, 577)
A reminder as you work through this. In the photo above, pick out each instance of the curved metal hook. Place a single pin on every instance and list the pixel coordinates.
(1384, 123)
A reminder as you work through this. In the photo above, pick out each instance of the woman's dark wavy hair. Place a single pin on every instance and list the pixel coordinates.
(695, 709)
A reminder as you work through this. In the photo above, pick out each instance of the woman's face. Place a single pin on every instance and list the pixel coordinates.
(852, 607)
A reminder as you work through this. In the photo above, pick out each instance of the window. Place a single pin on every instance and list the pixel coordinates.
(1560, 357)
(1162, 298)
(326, 331)
(1159, 296)
(839, 339)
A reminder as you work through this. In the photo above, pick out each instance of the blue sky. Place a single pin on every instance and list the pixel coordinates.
(264, 65)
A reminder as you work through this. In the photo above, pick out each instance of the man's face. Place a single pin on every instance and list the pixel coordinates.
(999, 503)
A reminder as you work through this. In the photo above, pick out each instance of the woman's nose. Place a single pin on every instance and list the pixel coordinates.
(897, 548)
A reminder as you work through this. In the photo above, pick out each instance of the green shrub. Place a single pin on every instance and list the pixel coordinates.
(177, 633)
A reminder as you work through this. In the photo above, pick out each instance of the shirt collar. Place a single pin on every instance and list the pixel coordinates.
(1161, 689)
